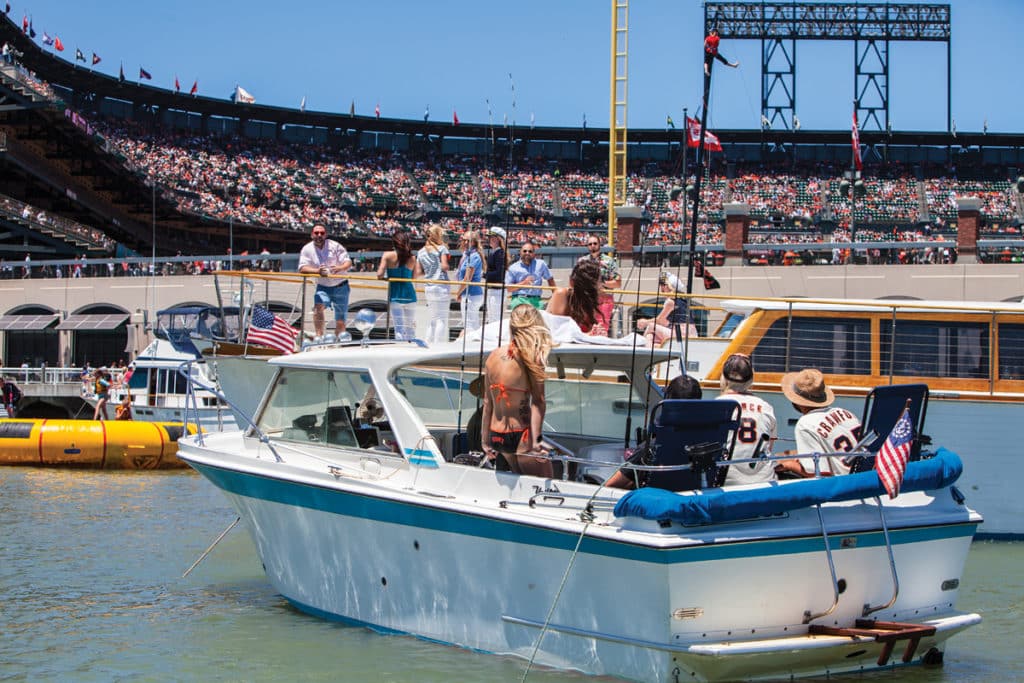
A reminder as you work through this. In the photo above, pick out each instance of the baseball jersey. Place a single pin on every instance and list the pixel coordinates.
(757, 418)
(827, 430)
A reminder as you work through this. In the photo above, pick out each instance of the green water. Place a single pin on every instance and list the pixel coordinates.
(91, 590)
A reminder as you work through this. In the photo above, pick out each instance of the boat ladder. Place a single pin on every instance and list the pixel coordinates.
(886, 632)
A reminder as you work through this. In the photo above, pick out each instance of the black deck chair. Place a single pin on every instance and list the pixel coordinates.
(700, 433)
(882, 408)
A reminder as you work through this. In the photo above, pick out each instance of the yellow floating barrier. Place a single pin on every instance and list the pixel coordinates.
(118, 444)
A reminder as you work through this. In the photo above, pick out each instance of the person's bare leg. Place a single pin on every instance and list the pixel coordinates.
(318, 319)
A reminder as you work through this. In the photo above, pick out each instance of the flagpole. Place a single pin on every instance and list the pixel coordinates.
(853, 184)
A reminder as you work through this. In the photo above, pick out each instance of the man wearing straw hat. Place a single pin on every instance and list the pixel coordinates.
(821, 429)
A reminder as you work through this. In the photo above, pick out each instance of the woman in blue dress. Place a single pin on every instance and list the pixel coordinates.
(399, 267)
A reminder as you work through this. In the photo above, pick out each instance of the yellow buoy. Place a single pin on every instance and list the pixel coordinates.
(91, 443)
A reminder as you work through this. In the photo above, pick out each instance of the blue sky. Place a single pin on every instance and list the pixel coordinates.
(457, 54)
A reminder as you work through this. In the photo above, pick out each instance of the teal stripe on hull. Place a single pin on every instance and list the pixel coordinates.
(360, 506)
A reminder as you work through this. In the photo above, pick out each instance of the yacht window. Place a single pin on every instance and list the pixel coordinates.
(139, 379)
(933, 348)
(840, 346)
(435, 393)
(320, 406)
(1011, 351)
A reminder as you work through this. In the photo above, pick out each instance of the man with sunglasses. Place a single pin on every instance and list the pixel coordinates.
(525, 277)
(610, 279)
(328, 259)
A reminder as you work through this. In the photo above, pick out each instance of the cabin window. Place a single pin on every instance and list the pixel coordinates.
(932, 348)
(435, 394)
(320, 406)
(1011, 351)
(839, 346)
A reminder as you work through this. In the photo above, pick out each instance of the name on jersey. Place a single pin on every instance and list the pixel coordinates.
(833, 419)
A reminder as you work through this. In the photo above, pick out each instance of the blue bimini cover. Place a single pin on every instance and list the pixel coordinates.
(711, 506)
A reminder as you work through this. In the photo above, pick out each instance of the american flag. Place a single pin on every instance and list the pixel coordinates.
(267, 329)
(891, 461)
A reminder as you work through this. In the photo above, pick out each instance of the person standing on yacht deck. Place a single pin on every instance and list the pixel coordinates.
(470, 275)
(821, 429)
(514, 403)
(497, 263)
(526, 275)
(757, 430)
(327, 258)
(433, 260)
(610, 278)
(400, 264)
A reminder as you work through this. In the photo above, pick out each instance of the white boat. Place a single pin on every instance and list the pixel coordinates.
(159, 390)
(971, 355)
(381, 521)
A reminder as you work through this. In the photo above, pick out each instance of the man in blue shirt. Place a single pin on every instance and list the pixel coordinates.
(525, 277)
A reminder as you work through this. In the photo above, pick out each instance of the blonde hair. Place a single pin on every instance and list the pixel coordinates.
(532, 339)
(435, 235)
(473, 238)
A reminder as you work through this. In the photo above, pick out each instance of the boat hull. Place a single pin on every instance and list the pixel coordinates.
(636, 605)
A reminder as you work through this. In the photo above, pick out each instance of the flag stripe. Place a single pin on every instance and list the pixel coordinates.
(267, 329)
(891, 462)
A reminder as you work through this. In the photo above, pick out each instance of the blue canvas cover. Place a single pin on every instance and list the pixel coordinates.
(711, 506)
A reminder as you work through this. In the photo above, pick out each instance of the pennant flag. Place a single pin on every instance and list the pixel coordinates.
(532, 120)
(57, 45)
(709, 280)
(7, 8)
(95, 59)
(426, 114)
(455, 118)
(855, 141)
(79, 57)
(241, 96)
(195, 87)
(891, 461)
(31, 29)
(693, 136)
(352, 108)
(302, 104)
(143, 74)
(47, 40)
(177, 84)
(669, 122)
(376, 110)
(267, 329)
(24, 24)
(120, 76)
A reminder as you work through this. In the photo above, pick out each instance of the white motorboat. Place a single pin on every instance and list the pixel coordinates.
(377, 517)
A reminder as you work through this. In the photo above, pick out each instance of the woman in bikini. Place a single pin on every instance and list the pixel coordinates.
(514, 401)
(580, 300)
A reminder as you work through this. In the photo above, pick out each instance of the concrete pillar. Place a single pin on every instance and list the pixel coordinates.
(628, 232)
(737, 228)
(968, 211)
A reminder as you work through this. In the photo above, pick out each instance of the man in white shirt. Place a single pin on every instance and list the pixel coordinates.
(328, 259)
(822, 429)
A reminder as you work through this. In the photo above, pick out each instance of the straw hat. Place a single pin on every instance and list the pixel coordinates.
(807, 388)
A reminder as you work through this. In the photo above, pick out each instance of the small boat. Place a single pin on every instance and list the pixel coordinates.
(971, 356)
(92, 444)
(364, 506)
(159, 390)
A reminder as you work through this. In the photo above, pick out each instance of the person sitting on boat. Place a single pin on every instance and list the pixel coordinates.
(328, 259)
(101, 389)
(673, 313)
(682, 386)
(610, 277)
(514, 402)
(581, 299)
(124, 408)
(822, 428)
(757, 430)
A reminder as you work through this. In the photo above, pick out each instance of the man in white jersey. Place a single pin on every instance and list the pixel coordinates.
(821, 429)
(757, 429)
(327, 258)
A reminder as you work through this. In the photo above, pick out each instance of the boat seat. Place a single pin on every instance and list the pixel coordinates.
(338, 426)
(882, 408)
(699, 433)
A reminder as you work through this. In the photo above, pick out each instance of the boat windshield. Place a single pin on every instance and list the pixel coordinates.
(320, 407)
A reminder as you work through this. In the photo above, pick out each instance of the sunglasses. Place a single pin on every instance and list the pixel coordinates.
(527, 251)
(593, 244)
